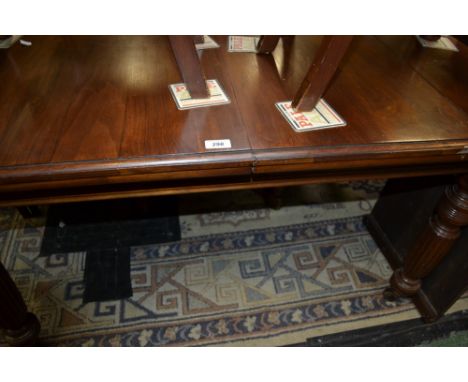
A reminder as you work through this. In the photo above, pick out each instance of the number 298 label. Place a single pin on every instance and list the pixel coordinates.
(218, 144)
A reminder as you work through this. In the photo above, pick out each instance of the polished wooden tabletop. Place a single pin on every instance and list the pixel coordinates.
(445, 70)
(86, 111)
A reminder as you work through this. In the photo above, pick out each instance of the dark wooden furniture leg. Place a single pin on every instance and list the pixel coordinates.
(326, 61)
(267, 44)
(18, 326)
(189, 65)
(436, 240)
(430, 37)
(199, 39)
(273, 197)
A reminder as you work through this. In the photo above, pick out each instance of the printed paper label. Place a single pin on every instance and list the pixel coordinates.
(185, 101)
(442, 43)
(322, 117)
(218, 144)
(243, 44)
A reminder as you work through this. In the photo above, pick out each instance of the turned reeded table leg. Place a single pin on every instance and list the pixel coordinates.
(18, 326)
(435, 241)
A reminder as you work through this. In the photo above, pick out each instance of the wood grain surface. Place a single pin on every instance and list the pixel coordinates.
(445, 70)
(95, 111)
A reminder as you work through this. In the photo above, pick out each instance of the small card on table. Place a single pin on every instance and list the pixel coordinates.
(208, 44)
(243, 44)
(443, 43)
(183, 99)
(322, 117)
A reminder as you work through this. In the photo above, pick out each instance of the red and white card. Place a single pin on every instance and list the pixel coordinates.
(184, 101)
(243, 44)
(321, 117)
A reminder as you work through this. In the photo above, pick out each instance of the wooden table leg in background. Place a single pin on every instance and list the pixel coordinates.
(267, 44)
(431, 37)
(199, 39)
(435, 241)
(189, 65)
(18, 326)
(321, 72)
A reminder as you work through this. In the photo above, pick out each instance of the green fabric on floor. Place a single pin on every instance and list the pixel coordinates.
(455, 339)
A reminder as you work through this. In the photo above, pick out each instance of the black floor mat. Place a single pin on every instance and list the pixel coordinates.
(80, 227)
(106, 231)
(107, 275)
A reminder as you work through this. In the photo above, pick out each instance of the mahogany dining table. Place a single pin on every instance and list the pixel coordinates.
(91, 118)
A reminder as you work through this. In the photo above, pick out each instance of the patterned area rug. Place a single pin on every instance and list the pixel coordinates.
(242, 274)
